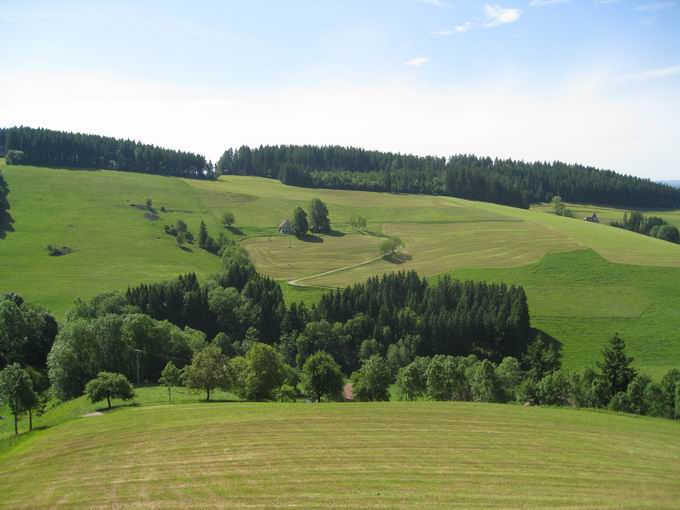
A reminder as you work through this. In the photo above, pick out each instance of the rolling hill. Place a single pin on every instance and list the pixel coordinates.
(584, 281)
(371, 455)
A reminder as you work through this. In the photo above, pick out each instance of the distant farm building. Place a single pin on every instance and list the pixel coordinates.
(592, 219)
(285, 227)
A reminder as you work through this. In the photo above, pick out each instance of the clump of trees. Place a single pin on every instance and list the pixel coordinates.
(228, 219)
(108, 385)
(358, 223)
(560, 208)
(45, 147)
(503, 181)
(316, 221)
(651, 226)
(391, 244)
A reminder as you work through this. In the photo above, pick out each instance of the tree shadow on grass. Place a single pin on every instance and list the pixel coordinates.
(235, 230)
(336, 233)
(309, 238)
(398, 258)
(6, 222)
(186, 248)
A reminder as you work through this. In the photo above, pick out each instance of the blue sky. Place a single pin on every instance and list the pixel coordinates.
(591, 81)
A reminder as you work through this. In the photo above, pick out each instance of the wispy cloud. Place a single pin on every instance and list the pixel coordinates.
(494, 16)
(418, 61)
(497, 15)
(543, 3)
(651, 74)
(654, 6)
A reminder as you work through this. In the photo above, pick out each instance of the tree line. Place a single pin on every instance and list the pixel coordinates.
(651, 226)
(46, 147)
(503, 181)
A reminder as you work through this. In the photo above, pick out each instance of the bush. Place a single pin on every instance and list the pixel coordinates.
(14, 157)
(284, 393)
(55, 250)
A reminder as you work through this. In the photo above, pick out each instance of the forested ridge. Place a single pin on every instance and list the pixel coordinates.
(508, 182)
(45, 147)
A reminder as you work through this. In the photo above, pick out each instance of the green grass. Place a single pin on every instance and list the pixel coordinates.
(58, 412)
(383, 455)
(584, 281)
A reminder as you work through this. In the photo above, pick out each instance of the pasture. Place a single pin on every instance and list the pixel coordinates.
(584, 281)
(371, 455)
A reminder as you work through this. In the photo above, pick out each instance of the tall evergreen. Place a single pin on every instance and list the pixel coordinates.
(616, 370)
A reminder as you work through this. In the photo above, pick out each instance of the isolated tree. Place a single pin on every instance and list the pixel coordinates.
(358, 223)
(318, 217)
(616, 370)
(202, 235)
(181, 239)
(149, 204)
(208, 371)
(300, 225)
(322, 377)
(228, 219)
(108, 385)
(391, 244)
(372, 381)
(557, 205)
(180, 226)
(170, 376)
(16, 389)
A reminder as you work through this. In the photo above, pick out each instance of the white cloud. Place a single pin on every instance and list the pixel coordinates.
(497, 15)
(543, 3)
(465, 27)
(418, 61)
(654, 7)
(651, 74)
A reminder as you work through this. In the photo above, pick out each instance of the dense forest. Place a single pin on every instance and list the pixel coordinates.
(508, 182)
(45, 147)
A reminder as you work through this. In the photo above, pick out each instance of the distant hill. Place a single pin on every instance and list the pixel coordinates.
(502, 181)
(675, 183)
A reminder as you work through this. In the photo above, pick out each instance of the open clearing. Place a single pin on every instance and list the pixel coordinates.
(584, 281)
(389, 455)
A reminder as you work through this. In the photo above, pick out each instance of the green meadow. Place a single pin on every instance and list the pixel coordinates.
(584, 281)
(346, 455)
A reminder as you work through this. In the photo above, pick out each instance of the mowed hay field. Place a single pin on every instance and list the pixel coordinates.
(584, 281)
(372, 455)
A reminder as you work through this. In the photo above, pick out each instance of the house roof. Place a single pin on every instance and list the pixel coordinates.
(284, 223)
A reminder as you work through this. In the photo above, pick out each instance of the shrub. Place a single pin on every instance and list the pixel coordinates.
(284, 393)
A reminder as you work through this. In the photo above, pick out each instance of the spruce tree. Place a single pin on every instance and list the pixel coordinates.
(616, 370)
(202, 235)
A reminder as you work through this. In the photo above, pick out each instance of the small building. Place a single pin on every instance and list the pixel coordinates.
(592, 219)
(285, 227)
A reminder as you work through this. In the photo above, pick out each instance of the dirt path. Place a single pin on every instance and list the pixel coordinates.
(298, 280)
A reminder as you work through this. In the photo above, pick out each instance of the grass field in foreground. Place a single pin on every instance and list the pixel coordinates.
(382, 455)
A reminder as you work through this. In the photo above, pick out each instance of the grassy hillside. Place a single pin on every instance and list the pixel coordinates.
(584, 281)
(384, 455)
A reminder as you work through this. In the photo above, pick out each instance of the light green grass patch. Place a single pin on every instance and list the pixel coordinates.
(382, 455)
